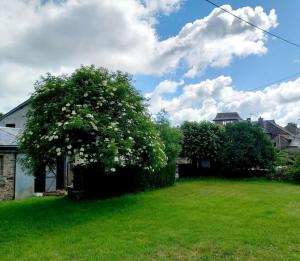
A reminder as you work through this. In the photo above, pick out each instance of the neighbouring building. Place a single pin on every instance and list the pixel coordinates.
(287, 137)
(282, 137)
(13, 186)
(14, 181)
(224, 118)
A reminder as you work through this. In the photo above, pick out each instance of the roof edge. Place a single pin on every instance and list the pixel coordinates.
(20, 106)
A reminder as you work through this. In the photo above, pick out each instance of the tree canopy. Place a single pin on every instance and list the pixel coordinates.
(246, 146)
(202, 141)
(93, 117)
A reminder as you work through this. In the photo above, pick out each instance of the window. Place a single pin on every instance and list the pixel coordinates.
(1, 165)
(10, 125)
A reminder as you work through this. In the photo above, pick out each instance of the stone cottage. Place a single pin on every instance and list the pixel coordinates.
(14, 183)
(47, 180)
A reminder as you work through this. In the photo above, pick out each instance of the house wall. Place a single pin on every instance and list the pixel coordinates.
(24, 185)
(224, 122)
(274, 131)
(18, 118)
(7, 178)
(280, 142)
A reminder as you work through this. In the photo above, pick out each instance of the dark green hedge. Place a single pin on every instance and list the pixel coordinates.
(93, 182)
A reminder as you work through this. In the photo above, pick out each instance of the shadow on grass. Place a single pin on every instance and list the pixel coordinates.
(38, 216)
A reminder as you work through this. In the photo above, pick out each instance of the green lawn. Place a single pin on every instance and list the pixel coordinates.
(207, 219)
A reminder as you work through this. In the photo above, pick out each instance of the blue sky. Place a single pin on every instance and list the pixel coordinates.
(186, 56)
(282, 60)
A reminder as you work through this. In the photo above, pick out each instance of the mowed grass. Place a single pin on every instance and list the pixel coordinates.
(208, 219)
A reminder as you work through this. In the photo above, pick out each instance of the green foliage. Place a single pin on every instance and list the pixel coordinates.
(171, 136)
(282, 158)
(162, 178)
(280, 173)
(294, 170)
(245, 147)
(202, 141)
(94, 117)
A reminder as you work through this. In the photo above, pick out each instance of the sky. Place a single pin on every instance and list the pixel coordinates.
(186, 56)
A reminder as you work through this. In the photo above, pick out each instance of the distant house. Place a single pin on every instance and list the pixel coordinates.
(282, 137)
(224, 118)
(11, 124)
(14, 183)
(287, 137)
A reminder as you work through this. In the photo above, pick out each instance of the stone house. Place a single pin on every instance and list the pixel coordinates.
(47, 180)
(287, 137)
(224, 118)
(14, 183)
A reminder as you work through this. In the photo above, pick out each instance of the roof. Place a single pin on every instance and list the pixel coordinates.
(227, 116)
(292, 127)
(9, 136)
(265, 124)
(281, 128)
(20, 106)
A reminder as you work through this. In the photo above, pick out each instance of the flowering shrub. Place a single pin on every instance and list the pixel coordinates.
(93, 117)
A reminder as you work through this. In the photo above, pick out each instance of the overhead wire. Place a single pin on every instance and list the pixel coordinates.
(267, 32)
(253, 25)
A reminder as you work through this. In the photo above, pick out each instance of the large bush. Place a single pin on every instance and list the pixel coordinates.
(202, 141)
(246, 147)
(282, 158)
(95, 118)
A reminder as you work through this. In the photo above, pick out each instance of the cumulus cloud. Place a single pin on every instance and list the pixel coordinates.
(216, 39)
(201, 101)
(165, 6)
(40, 36)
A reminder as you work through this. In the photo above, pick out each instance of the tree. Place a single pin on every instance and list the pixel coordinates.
(95, 118)
(202, 141)
(171, 136)
(282, 158)
(245, 147)
(294, 170)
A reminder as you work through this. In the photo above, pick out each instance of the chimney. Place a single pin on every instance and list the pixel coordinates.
(292, 127)
(261, 121)
(249, 119)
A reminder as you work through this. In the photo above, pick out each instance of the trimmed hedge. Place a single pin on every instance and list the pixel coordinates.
(95, 183)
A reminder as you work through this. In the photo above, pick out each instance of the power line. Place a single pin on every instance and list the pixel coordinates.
(263, 86)
(253, 25)
(277, 81)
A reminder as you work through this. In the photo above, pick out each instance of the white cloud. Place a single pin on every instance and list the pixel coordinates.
(37, 38)
(216, 39)
(165, 6)
(203, 100)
